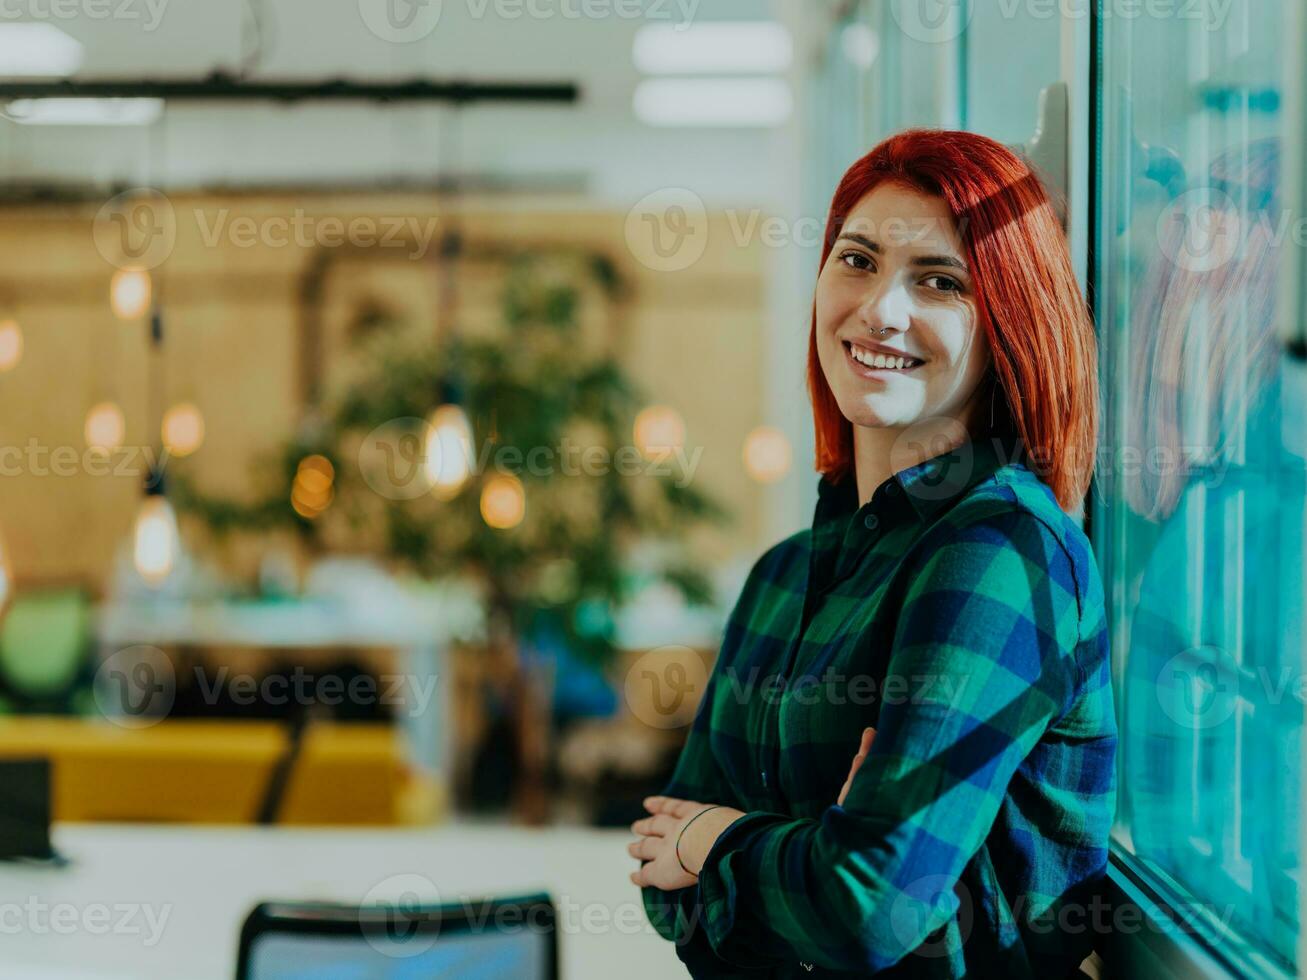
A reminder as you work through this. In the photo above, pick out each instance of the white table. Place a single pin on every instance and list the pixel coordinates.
(189, 889)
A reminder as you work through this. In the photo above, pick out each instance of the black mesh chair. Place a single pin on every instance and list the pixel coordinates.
(492, 939)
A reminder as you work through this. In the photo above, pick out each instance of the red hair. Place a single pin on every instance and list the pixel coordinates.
(1045, 355)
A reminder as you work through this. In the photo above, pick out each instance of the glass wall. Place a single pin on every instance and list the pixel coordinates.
(1198, 519)
(1010, 51)
(887, 65)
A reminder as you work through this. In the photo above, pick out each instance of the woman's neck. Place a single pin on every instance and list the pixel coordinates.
(879, 453)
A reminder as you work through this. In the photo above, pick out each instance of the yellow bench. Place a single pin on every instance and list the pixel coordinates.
(218, 771)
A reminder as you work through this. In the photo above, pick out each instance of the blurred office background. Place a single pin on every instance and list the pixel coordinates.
(393, 399)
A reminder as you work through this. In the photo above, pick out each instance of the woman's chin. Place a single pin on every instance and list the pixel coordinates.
(873, 414)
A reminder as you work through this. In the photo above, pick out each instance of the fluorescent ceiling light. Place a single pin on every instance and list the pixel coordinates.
(713, 101)
(84, 112)
(723, 47)
(37, 50)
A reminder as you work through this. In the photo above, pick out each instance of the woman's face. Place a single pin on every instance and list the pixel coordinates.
(899, 267)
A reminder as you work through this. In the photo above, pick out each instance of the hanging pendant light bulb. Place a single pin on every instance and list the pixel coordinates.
(156, 543)
(448, 450)
(659, 431)
(155, 540)
(503, 501)
(183, 429)
(11, 345)
(129, 292)
(767, 454)
(105, 427)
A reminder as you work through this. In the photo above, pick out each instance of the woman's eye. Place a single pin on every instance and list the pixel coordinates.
(855, 260)
(944, 283)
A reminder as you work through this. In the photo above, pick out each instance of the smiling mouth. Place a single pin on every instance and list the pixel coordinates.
(875, 364)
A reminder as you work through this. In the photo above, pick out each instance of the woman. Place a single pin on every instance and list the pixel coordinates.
(904, 759)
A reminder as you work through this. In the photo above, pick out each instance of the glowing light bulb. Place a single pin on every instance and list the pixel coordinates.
(448, 450)
(312, 490)
(183, 429)
(767, 454)
(155, 542)
(11, 345)
(105, 427)
(659, 429)
(503, 501)
(129, 292)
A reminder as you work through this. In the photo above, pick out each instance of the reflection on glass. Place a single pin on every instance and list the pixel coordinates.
(1201, 506)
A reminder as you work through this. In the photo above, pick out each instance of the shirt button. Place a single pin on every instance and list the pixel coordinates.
(871, 521)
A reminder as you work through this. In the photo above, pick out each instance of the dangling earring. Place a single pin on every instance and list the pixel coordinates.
(993, 393)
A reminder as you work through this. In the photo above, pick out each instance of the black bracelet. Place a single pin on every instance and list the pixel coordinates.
(677, 847)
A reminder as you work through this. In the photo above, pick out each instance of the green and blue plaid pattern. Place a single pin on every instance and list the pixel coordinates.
(959, 612)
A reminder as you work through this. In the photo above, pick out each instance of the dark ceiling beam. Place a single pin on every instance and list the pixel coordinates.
(226, 88)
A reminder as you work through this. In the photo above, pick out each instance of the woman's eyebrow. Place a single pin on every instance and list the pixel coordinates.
(874, 246)
(862, 240)
(946, 260)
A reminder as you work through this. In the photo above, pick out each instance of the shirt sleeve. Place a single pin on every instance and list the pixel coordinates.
(677, 915)
(985, 643)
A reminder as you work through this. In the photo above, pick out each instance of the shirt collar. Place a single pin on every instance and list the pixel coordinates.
(928, 486)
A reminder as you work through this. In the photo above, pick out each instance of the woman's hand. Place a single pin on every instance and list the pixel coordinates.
(867, 735)
(658, 834)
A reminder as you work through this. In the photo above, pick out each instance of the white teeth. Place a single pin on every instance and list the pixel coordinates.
(879, 360)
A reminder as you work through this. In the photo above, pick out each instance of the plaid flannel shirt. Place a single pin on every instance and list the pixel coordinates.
(959, 612)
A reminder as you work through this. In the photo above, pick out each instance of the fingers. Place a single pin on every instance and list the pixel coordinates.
(868, 736)
(671, 806)
(646, 848)
(864, 746)
(659, 825)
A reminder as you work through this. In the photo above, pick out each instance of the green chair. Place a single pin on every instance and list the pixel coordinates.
(44, 641)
